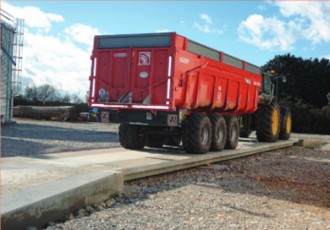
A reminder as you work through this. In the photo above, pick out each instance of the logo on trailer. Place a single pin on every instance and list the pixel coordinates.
(144, 58)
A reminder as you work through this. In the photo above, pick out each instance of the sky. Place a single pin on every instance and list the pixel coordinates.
(58, 35)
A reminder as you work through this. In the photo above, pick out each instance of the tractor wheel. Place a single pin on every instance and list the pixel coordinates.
(219, 132)
(155, 140)
(197, 134)
(232, 132)
(286, 122)
(129, 137)
(268, 122)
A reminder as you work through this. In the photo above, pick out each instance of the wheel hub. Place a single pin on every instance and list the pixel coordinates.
(204, 135)
(233, 135)
(220, 135)
(275, 121)
(288, 124)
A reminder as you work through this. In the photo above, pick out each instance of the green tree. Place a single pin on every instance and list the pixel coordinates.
(308, 80)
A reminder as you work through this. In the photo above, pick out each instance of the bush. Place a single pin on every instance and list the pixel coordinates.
(307, 119)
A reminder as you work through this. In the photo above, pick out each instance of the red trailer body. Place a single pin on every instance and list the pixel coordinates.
(164, 88)
(168, 72)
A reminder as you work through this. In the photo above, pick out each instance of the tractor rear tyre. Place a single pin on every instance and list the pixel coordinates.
(155, 140)
(197, 134)
(219, 132)
(130, 138)
(268, 122)
(286, 122)
(232, 132)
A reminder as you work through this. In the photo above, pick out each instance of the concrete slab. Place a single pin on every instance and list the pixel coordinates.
(325, 147)
(309, 143)
(134, 169)
(45, 188)
(36, 191)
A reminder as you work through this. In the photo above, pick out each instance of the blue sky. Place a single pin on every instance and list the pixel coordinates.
(58, 34)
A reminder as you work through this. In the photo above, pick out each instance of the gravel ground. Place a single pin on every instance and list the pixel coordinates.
(33, 137)
(283, 189)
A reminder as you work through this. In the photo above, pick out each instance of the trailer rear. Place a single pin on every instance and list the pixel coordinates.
(166, 89)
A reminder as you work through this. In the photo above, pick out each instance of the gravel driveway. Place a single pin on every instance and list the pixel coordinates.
(284, 189)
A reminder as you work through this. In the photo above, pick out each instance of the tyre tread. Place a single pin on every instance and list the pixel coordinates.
(128, 137)
(190, 138)
(216, 120)
(264, 123)
(231, 122)
(285, 113)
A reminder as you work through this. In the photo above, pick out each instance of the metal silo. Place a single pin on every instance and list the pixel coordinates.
(11, 62)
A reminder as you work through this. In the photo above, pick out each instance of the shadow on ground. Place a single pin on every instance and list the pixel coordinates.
(33, 139)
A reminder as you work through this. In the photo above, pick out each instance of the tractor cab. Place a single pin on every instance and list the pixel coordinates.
(270, 83)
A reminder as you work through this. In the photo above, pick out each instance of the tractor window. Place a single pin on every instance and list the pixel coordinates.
(266, 85)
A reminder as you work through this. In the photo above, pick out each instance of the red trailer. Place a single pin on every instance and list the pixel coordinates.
(164, 88)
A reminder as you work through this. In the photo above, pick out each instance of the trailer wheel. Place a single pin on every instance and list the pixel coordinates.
(155, 140)
(219, 132)
(197, 134)
(232, 132)
(129, 137)
(268, 122)
(286, 122)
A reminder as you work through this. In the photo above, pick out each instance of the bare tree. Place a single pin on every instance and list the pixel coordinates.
(76, 99)
(42, 93)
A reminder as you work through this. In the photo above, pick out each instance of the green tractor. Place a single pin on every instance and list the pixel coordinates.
(271, 121)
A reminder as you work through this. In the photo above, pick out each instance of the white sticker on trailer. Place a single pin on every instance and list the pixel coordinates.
(120, 55)
(169, 71)
(109, 106)
(94, 67)
(256, 84)
(184, 60)
(168, 88)
(150, 107)
(248, 81)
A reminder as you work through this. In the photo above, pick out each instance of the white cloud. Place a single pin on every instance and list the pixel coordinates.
(33, 16)
(162, 31)
(299, 20)
(265, 33)
(206, 26)
(82, 33)
(62, 60)
(62, 63)
(206, 18)
(311, 19)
